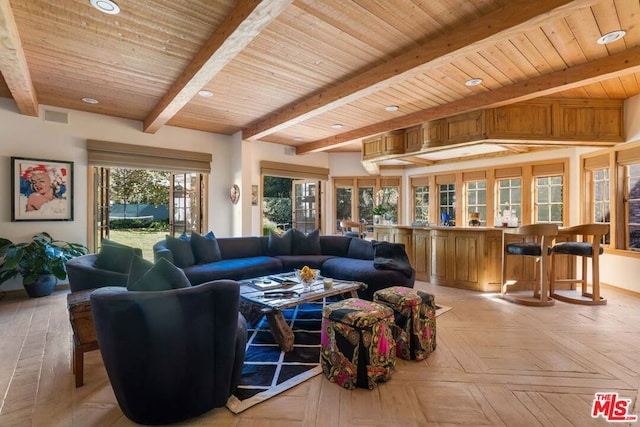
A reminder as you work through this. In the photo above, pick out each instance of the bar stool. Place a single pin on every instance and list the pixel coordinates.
(588, 247)
(536, 240)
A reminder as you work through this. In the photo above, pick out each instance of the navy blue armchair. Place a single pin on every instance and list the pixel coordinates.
(171, 355)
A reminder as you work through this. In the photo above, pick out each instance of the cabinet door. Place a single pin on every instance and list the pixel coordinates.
(439, 246)
(465, 258)
(401, 235)
(421, 254)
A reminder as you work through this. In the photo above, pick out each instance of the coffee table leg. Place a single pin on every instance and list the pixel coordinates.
(280, 330)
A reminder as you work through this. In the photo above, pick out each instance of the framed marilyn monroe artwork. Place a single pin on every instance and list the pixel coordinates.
(41, 190)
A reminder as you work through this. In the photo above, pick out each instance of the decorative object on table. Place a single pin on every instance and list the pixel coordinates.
(474, 220)
(41, 190)
(41, 262)
(234, 194)
(444, 219)
(383, 203)
(306, 276)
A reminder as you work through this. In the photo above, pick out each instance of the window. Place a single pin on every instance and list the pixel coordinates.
(510, 196)
(601, 207)
(549, 199)
(343, 202)
(632, 206)
(477, 200)
(365, 204)
(448, 202)
(421, 195)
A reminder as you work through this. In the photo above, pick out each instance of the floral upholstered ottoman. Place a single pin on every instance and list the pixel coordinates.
(415, 320)
(358, 349)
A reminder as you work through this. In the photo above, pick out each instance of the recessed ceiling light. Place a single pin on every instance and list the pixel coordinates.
(337, 125)
(392, 108)
(106, 6)
(473, 82)
(205, 93)
(297, 138)
(611, 37)
(90, 100)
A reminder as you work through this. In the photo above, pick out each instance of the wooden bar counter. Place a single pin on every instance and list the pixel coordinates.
(462, 257)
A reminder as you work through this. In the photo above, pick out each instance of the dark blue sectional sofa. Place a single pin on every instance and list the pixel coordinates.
(338, 257)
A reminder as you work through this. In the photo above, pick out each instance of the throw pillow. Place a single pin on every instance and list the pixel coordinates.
(116, 257)
(306, 245)
(205, 248)
(107, 242)
(181, 250)
(279, 245)
(360, 249)
(162, 276)
(139, 266)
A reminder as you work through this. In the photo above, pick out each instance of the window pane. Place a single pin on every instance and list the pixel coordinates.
(509, 198)
(421, 195)
(448, 201)
(600, 197)
(633, 205)
(343, 205)
(549, 199)
(476, 196)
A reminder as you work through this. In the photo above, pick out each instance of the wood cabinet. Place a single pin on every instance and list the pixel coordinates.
(465, 257)
(598, 122)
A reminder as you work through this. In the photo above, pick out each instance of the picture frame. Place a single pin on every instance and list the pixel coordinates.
(41, 189)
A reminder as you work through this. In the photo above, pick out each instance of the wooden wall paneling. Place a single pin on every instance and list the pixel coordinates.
(530, 120)
(372, 147)
(393, 143)
(590, 120)
(439, 250)
(413, 139)
(422, 253)
(432, 134)
(465, 127)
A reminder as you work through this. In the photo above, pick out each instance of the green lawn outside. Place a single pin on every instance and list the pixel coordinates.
(143, 239)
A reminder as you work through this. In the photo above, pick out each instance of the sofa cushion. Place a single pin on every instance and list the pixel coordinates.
(308, 244)
(116, 256)
(205, 248)
(279, 245)
(180, 247)
(289, 262)
(360, 249)
(240, 247)
(235, 269)
(161, 277)
(334, 245)
(139, 266)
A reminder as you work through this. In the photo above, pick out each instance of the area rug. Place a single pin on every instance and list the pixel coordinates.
(268, 371)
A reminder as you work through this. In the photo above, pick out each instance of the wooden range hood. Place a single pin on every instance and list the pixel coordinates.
(546, 123)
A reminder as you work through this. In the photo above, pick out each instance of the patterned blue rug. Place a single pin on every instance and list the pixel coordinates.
(267, 370)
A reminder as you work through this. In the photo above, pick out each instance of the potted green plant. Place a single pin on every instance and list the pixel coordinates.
(40, 262)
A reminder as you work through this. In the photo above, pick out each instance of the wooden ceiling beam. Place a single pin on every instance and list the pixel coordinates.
(514, 148)
(601, 69)
(13, 63)
(517, 16)
(418, 160)
(239, 28)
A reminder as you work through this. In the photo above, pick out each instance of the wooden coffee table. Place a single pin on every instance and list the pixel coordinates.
(254, 303)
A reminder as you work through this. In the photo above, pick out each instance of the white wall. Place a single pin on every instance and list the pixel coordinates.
(24, 136)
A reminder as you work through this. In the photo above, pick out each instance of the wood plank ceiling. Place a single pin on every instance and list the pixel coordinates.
(287, 71)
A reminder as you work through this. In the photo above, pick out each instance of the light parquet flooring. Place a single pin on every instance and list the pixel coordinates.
(497, 364)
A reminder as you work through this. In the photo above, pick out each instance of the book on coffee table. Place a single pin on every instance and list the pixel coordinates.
(272, 282)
